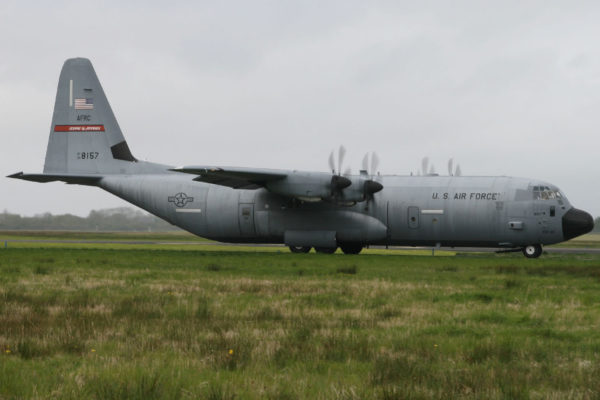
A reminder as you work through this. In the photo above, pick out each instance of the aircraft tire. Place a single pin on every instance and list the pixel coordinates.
(351, 248)
(299, 249)
(532, 251)
(325, 250)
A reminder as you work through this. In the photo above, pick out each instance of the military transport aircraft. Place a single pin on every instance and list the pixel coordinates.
(300, 209)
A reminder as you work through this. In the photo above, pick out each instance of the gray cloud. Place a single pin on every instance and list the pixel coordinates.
(505, 88)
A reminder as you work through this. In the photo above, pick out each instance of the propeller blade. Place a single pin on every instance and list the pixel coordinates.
(432, 170)
(458, 172)
(450, 166)
(374, 163)
(348, 171)
(365, 162)
(341, 155)
(424, 165)
(331, 163)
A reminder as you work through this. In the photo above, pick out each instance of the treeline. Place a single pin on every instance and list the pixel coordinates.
(113, 219)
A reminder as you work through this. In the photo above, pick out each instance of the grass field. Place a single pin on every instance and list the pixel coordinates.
(120, 323)
(590, 240)
(182, 240)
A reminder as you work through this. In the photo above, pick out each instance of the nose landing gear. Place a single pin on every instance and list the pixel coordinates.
(532, 251)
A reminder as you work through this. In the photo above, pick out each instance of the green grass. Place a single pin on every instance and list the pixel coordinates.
(149, 323)
(159, 241)
(590, 240)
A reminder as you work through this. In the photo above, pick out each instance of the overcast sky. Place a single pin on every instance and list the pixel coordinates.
(505, 88)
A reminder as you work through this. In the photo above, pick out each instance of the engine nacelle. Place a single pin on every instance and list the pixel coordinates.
(307, 186)
(318, 186)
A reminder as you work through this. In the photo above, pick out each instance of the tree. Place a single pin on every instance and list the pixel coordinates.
(115, 219)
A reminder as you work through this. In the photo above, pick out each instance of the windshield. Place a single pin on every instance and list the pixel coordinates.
(547, 193)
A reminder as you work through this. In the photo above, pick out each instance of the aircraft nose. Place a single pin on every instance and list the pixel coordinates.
(576, 222)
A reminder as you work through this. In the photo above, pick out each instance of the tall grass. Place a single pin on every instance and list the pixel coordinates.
(77, 323)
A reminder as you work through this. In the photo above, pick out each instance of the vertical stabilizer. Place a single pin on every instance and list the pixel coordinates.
(85, 137)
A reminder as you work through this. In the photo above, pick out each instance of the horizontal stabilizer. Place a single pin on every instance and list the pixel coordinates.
(234, 177)
(91, 180)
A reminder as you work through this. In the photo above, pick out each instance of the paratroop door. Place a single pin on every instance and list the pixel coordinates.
(413, 217)
(246, 219)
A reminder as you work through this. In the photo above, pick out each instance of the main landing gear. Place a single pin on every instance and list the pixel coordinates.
(299, 249)
(351, 248)
(347, 248)
(532, 251)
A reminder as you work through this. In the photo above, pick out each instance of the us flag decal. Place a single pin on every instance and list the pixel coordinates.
(84, 104)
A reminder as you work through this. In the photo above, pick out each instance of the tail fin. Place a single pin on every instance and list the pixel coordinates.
(85, 137)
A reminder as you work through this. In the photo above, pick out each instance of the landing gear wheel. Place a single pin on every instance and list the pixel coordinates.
(325, 250)
(532, 251)
(351, 248)
(299, 249)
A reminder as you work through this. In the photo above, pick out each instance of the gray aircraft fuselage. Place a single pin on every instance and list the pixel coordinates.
(301, 209)
(411, 210)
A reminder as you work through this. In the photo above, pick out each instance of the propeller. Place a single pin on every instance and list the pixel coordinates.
(338, 182)
(341, 154)
(340, 161)
(451, 170)
(426, 169)
(424, 165)
(458, 172)
(371, 167)
(371, 186)
(331, 163)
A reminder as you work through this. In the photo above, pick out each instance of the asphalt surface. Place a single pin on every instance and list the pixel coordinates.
(564, 250)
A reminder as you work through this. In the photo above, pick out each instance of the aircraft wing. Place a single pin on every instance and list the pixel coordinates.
(234, 177)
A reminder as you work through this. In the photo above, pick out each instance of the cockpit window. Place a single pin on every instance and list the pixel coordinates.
(546, 193)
